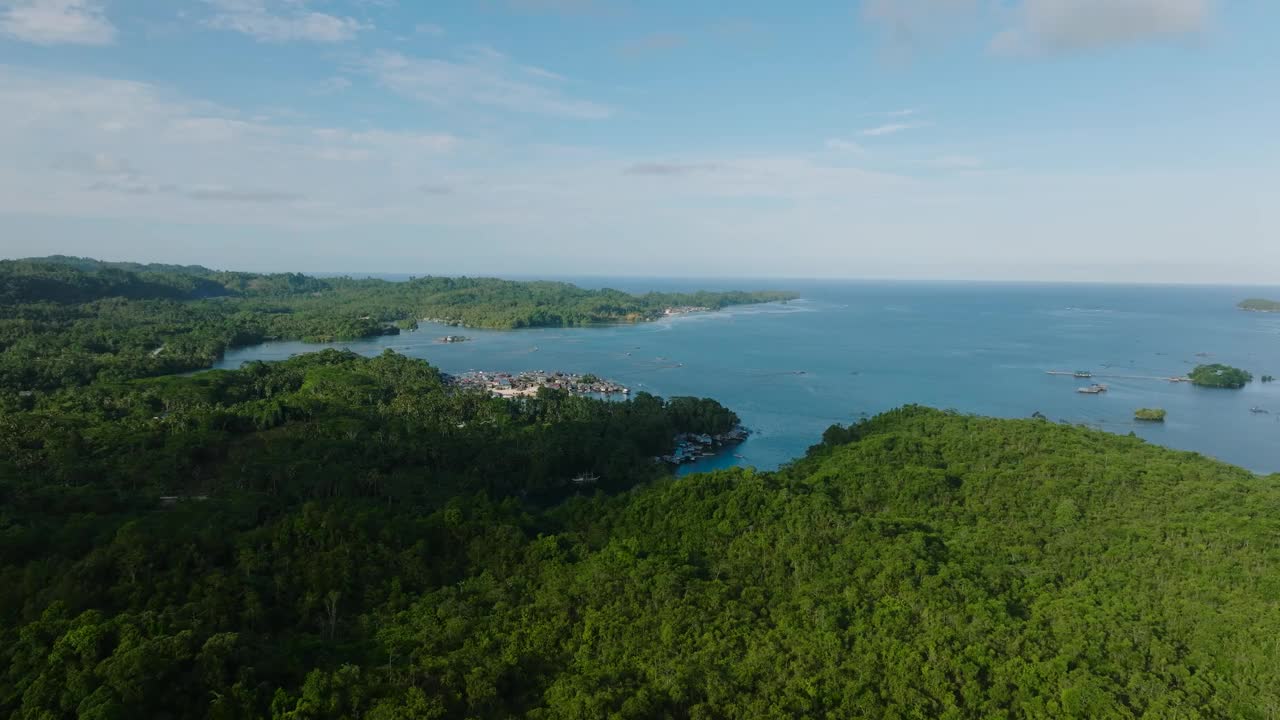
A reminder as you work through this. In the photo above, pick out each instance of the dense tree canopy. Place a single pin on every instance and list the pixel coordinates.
(336, 537)
(1218, 375)
(70, 321)
(340, 537)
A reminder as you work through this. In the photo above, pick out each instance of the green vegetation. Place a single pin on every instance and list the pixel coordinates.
(335, 537)
(347, 537)
(71, 321)
(1218, 375)
(1259, 305)
(1149, 414)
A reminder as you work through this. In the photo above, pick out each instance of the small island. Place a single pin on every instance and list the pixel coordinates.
(1268, 378)
(1218, 375)
(1149, 415)
(1260, 305)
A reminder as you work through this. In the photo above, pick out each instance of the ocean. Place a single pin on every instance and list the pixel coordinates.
(848, 350)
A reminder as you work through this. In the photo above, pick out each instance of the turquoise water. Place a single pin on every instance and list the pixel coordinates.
(847, 350)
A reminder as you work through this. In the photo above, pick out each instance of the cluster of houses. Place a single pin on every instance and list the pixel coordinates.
(685, 310)
(527, 384)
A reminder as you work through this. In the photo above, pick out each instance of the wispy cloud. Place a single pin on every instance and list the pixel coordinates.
(842, 145)
(428, 29)
(108, 173)
(239, 195)
(671, 169)
(911, 24)
(1037, 27)
(891, 128)
(90, 145)
(560, 6)
(282, 21)
(56, 22)
(331, 85)
(958, 162)
(1056, 26)
(483, 77)
(133, 185)
(98, 163)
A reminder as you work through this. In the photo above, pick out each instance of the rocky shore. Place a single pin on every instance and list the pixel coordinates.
(691, 447)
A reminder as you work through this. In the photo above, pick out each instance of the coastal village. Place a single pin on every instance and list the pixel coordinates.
(689, 447)
(684, 310)
(527, 384)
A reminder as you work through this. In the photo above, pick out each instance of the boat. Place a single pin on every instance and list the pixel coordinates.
(1083, 374)
(1259, 411)
(1092, 389)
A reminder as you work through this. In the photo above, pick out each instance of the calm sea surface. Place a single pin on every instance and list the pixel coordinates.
(851, 349)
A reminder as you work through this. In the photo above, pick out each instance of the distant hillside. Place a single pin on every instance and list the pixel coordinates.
(80, 281)
(90, 265)
(68, 321)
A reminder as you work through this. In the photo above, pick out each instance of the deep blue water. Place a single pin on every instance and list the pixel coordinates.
(850, 349)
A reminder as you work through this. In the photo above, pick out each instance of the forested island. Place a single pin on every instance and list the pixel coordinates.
(1150, 414)
(333, 537)
(1218, 375)
(1260, 305)
(70, 321)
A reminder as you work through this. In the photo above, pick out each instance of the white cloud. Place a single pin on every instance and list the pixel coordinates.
(282, 21)
(95, 165)
(56, 22)
(92, 163)
(891, 128)
(484, 77)
(1076, 25)
(1034, 27)
(428, 29)
(841, 145)
(83, 145)
(669, 169)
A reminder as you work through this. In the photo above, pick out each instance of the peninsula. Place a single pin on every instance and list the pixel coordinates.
(164, 319)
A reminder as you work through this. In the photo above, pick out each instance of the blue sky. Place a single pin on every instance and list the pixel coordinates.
(959, 139)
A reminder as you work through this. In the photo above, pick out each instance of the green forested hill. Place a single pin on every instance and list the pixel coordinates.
(918, 565)
(69, 321)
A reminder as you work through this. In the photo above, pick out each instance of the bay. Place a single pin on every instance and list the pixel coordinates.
(848, 350)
